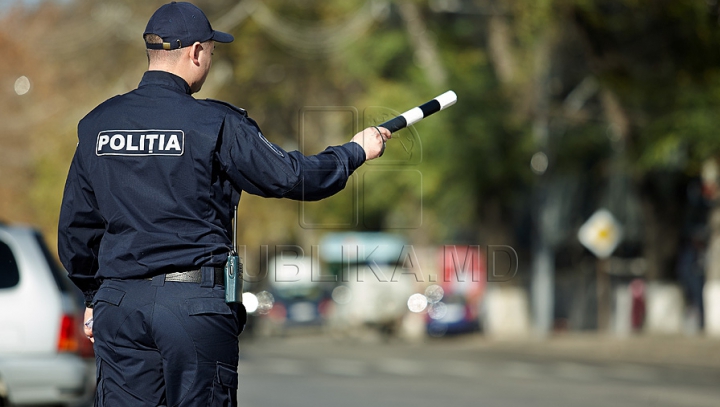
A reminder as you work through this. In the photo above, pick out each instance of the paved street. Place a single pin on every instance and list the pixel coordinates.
(471, 371)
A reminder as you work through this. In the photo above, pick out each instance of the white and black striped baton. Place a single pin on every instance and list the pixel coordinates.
(418, 113)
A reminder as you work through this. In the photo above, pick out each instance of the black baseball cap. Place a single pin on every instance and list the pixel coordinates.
(181, 24)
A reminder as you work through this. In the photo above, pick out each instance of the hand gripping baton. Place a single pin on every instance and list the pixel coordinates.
(416, 114)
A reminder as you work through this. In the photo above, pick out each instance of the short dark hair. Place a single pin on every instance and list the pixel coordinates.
(160, 54)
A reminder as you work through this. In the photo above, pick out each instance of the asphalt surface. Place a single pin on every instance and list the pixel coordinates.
(587, 370)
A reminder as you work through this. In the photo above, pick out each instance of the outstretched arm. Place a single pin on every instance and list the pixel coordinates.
(260, 167)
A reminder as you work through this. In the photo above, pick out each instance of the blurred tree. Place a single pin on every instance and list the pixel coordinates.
(616, 95)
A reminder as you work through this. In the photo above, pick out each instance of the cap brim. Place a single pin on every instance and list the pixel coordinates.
(220, 36)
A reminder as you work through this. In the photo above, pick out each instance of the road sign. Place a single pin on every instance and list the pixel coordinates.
(601, 234)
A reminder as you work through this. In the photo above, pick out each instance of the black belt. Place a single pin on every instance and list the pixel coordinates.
(195, 276)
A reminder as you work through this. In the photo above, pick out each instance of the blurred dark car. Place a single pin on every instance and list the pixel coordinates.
(297, 300)
(454, 315)
(44, 356)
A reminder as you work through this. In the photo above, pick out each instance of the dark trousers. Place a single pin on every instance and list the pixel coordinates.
(161, 343)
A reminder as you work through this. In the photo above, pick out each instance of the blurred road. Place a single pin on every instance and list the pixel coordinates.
(319, 371)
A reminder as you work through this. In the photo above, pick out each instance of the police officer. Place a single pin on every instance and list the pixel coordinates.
(145, 223)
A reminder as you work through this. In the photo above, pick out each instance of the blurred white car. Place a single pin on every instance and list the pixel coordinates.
(44, 355)
(373, 285)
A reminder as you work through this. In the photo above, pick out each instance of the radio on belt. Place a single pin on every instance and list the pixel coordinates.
(234, 270)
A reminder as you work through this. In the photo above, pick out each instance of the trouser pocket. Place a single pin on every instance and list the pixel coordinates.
(225, 385)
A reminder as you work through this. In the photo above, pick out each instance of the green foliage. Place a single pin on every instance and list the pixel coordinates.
(658, 58)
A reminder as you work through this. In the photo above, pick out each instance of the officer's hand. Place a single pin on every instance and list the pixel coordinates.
(373, 142)
(87, 326)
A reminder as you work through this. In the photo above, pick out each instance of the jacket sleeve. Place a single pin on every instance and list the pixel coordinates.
(80, 229)
(259, 167)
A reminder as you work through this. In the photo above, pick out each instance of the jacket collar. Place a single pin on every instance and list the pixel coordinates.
(165, 79)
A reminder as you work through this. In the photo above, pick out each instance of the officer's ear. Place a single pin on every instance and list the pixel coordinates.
(194, 53)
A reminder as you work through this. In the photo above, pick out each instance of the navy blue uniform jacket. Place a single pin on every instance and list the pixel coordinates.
(156, 176)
